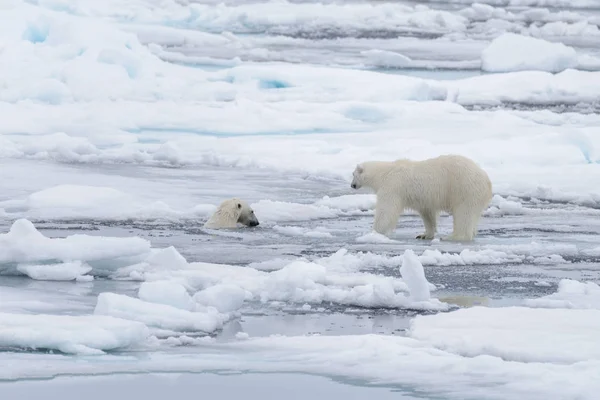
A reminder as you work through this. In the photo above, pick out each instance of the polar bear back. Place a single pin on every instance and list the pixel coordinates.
(440, 183)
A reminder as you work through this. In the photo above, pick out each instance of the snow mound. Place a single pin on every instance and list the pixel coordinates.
(69, 334)
(159, 316)
(571, 294)
(24, 246)
(514, 333)
(511, 52)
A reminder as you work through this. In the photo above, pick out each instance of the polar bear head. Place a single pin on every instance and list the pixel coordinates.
(230, 213)
(245, 213)
(358, 177)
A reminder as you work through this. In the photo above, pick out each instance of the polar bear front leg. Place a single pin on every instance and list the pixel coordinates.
(430, 221)
(387, 212)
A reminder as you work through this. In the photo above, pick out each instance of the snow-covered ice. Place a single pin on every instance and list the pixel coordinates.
(513, 333)
(160, 316)
(32, 253)
(125, 124)
(69, 334)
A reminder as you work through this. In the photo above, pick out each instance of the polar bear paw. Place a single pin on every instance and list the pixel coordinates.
(425, 236)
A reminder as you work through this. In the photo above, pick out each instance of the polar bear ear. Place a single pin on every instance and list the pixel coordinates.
(359, 169)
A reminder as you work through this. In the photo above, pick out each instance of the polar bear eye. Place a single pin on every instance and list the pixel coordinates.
(239, 205)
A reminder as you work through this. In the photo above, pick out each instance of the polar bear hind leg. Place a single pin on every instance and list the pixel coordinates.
(464, 222)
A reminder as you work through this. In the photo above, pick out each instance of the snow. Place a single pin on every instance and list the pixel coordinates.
(511, 52)
(87, 335)
(513, 333)
(124, 125)
(159, 316)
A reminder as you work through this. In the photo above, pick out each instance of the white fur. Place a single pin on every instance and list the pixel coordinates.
(230, 213)
(450, 183)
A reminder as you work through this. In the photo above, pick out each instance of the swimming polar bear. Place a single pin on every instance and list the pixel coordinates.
(230, 213)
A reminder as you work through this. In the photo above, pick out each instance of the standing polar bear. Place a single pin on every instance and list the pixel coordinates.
(450, 183)
(230, 213)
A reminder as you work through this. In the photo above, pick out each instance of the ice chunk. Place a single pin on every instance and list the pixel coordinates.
(512, 52)
(299, 231)
(159, 316)
(514, 333)
(502, 206)
(350, 203)
(570, 294)
(242, 336)
(270, 265)
(158, 259)
(55, 272)
(374, 237)
(25, 244)
(70, 334)
(225, 298)
(166, 292)
(386, 59)
(413, 274)
(335, 281)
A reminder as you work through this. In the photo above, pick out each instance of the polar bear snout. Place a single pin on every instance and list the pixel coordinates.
(252, 221)
(357, 178)
(248, 218)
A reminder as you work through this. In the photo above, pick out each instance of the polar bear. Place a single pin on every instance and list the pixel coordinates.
(230, 213)
(450, 183)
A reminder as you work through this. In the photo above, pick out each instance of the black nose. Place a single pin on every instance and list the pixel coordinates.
(254, 223)
(353, 186)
